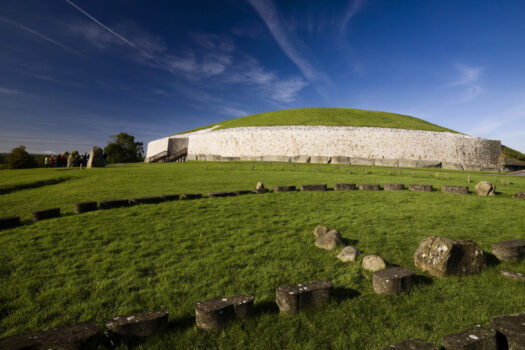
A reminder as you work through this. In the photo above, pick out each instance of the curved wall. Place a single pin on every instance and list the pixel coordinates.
(356, 145)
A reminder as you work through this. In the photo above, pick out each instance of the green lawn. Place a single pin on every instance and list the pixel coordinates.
(330, 117)
(171, 255)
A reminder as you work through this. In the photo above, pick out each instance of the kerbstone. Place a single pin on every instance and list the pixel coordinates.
(284, 188)
(519, 195)
(420, 188)
(345, 187)
(474, 338)
(117, 203)
(512, 327)
(188, 196)
(511, 251)
(84, 207)
(516, 276)
(46, 214)
(216, 313)
(313, 188)
(170, 197)
(320, 160)
(147, 200)
(394, 280)
(340, 160)
(138, 325)
(9, 222)
(393, 187)
(454, 189)
(294, 298)
(221, 194)
(369, 187)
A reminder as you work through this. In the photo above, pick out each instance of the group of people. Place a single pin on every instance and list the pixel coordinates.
(60, 160)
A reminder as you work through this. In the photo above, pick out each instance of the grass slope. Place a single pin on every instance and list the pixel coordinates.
(171, 255)
(330, 117)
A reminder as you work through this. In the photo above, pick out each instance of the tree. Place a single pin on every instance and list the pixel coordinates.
(20, 159)
(124, 149)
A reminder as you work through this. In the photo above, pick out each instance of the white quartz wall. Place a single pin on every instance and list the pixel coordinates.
(355, 142)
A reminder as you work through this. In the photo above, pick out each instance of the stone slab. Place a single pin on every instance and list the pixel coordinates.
(474, 338)
(313, 188)
(340, 160)
(284, 188)
(512, 327)
(116, 203)
(84, 207)
(420, 188)
(188, 196)
(170, 197)
(454, 189)
(138, 325)
(516, 276)
(519, 195)
(369, 187)
(393, 280)
(147, 200)
(393, 187)
(214, 314)
(9, 222)
(412, 344)
(294, 298)
(361, 161)
(345, 187)
(320, 160)
(46, 214)
(221, 194)
(300, 159)
(511, 251)
(242, 192)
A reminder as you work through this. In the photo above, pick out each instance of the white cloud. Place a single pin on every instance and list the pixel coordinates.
(7, 91)
(468, 82)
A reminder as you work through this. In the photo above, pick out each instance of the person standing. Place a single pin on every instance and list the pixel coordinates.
(46, 161)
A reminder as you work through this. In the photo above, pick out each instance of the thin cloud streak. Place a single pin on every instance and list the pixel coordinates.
(468, 79)
(353, 8)
(291, 45)
(40, 35)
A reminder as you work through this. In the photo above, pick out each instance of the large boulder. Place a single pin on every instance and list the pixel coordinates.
(96, 158)
(441, 257)
(73, 160)
(320, 230)
(511, 251)
(485, 188)
(329, 240)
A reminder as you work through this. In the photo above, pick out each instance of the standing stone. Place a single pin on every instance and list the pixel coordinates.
(320, 230)
(474, 338)
(519, 195)
(485, 188)
(138, 325)
(373, 263)
(73, 160)
(297, 297)
(394, 280)
(329, 240)
(96, 159)
(345, 187)
(511, 251)
(348, 253)
(412, 344)
(259, 188)
(441, 257)
(394, 187)
(512, 327)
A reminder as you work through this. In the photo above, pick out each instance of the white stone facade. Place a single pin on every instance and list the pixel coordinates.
(354, 145)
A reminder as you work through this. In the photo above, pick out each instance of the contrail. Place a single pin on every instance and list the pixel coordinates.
(41, 36)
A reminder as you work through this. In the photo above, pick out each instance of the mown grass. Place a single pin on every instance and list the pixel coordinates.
(329, 117)
(171, 255)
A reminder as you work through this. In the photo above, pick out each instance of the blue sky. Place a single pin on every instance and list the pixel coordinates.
(74, 72)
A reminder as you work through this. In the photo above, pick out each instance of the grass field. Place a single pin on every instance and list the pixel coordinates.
(330, 117)
(171, 255)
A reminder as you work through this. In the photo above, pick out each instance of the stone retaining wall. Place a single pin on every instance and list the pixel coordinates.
(356, 145)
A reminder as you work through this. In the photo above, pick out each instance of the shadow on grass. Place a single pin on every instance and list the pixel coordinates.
(491, 260)
(341, 294)
(348, 241)
(14, 188)
(265, 307)
(181, 323)
(422, 280)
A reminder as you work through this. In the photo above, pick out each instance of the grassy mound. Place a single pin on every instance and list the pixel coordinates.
(171, 255)
(330, 117)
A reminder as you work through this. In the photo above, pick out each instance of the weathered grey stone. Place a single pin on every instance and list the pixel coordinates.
(191, 196)
(429, 164)
(221, 194)
(9, 222)
(300, 159)
(284, 188)
(117, 203)
(454, 189)
(441, 257)
(393, 187)
(345, 187)
(361, 161)
(96, 158)
(369, 187)
(412, 344)
(170, 197)
(139, 325)
(373, 263)
(84, 207)
(513, 275)
(214, 314)
(320, 160)
(474, 338)
(385, 162)
(46, 214)
(73, 337)
(512, 327)
(73, 160)
(259, 188)
(313, 188)
(512, 251)
(394, 280)
(210, 158)
(407, 163)
(270, 158)
(147, 200)
(329, 240)
(340, 160)
(448, 165)
(519, 195)
(420, 188)
(348, 253)
(320, 230)
(294, 298)
(230, 159)
(485, 188)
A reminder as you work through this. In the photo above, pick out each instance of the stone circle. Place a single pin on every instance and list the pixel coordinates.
(216, 313)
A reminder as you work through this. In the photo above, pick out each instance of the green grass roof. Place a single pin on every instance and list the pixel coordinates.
(330, 117)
